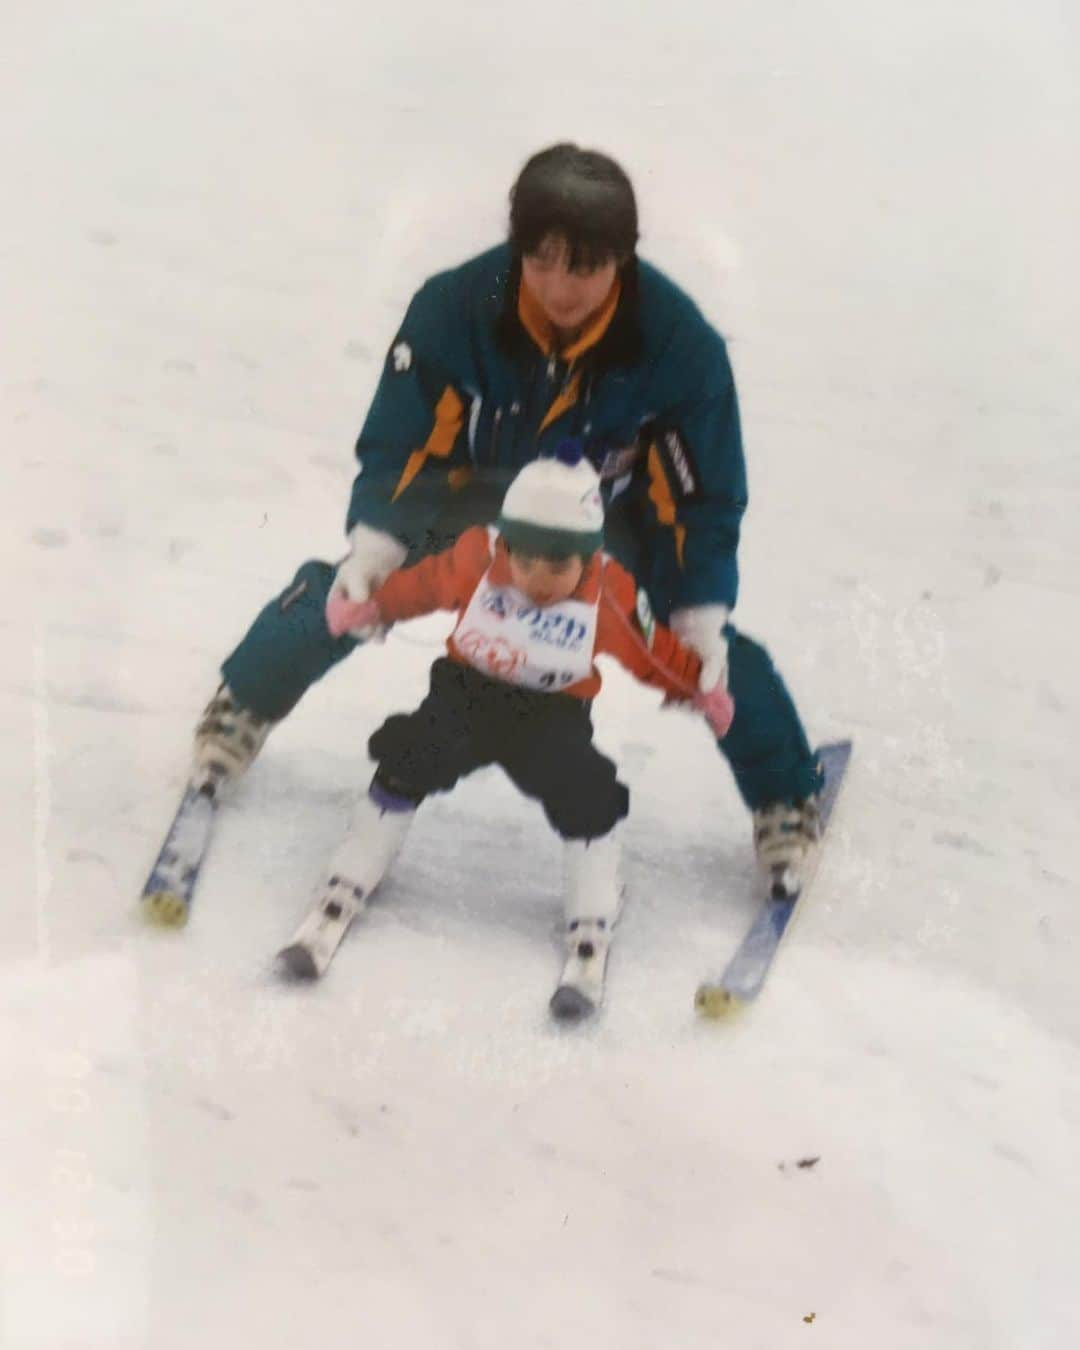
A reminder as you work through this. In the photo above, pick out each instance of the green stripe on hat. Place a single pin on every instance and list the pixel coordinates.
(545, 541)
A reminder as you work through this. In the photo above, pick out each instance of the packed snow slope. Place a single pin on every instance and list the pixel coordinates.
(213, 217)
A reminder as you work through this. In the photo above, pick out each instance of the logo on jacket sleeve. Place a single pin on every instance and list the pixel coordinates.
(682, 472)
(401, 355)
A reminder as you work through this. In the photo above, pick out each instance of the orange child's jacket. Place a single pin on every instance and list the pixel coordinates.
(500, 633)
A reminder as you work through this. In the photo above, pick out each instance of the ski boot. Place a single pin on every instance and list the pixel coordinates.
(785, 836)
(227, 739)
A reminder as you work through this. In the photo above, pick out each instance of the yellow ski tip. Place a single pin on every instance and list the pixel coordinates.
(164, 909)
(714, 1002)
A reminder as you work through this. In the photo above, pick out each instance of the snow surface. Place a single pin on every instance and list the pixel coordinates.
(213, 215)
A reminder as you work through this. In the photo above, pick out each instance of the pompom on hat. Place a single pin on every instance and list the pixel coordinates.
(553, 508)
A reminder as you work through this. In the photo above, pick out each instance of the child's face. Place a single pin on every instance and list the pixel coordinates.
(545, 581)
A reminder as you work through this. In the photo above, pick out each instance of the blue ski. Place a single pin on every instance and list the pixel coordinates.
(166, 897)
(748, 968)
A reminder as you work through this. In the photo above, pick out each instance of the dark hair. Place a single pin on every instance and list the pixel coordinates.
(581, 196)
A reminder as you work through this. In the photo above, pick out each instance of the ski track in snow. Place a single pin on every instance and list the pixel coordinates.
(212, 226)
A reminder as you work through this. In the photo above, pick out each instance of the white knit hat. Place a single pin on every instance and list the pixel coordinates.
(553, 508)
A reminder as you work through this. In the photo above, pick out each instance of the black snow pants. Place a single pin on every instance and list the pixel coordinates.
(542, 741)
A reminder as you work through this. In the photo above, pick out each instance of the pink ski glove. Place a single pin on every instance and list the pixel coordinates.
(718, 708)
(343, 614)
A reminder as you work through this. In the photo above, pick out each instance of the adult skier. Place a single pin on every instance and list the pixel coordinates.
(560, 333)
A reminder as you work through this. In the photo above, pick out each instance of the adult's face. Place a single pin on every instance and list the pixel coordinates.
(569, 297)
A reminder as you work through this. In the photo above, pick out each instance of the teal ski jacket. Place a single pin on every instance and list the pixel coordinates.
(474, 387)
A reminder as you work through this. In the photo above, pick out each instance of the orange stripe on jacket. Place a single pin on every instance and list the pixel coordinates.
(447, 580)
(449, 417)
(661, 498)
(564, 402)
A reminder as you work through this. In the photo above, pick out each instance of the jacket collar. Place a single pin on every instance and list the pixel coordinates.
(619, 344)
(542, 331)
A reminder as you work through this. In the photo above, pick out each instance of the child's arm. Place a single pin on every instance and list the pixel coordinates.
(648, 650)
(627, 630)
(443, 581)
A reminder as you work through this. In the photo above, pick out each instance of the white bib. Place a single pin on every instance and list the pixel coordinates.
(505, 636)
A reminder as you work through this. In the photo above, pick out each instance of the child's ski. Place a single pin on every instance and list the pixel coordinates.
(319, 936)
(581, 985)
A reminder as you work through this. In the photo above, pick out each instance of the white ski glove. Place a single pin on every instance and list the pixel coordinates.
(702, 628)
(373, 556)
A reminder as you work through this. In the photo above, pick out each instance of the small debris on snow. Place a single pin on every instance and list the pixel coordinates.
(804, 1164)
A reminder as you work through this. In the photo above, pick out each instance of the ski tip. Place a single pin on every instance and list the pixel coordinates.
(570, 1005)
(165, 909)
(298, 962)
(714, 1002)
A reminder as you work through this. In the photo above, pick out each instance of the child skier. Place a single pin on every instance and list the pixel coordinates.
(537, 601)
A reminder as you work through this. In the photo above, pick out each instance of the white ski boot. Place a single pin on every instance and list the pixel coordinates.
(592, 900)
(785, 836)
(376, 833)
(227, 739)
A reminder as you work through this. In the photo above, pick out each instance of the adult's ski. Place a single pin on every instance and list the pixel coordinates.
(748, 969)
(166, 897)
